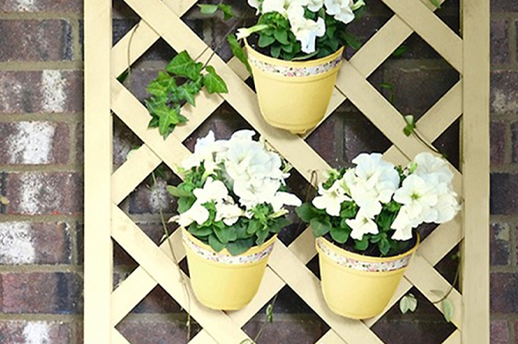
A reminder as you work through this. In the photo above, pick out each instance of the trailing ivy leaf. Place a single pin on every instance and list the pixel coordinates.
(215, 243)
(269, 313)
(436, 3)
(400, 51)
(208, 8)
(157, 89)
(183, 65)
(213, 82)
(410, 125)
(123, 76)
(184, 93)
(168, 118)
(227, 11)
(408, 303)
(339, 234)
(238, 51)
(320, 226)
(447, 308)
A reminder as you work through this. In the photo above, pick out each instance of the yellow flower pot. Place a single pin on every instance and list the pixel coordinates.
(222, 281)
(357, 286)
(293, 95)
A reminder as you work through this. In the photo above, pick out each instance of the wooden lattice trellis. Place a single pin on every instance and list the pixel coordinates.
(105, 222)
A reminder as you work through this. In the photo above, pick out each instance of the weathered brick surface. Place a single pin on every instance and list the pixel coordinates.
(34, 143)
(499, 41)
(46, 91)
(38, 40)
(499, 332)
(498, 137)
(504, 188)
(38, 292)
(74, 6)
(504, 6)
(504, 293)
(35, 243)
(500, 244)
(44, 193)
(22, 331)
(504, 92)
(142, 332)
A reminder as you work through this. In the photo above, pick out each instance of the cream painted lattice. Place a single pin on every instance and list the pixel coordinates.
(105, 222)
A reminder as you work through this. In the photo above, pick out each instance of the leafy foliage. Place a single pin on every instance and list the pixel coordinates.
(180, 83)
(408, 303)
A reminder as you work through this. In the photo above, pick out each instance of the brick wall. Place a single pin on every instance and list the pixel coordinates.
(41, 173)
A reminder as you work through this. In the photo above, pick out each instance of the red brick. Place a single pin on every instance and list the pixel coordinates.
(504, 6)
(504, 188)
(498, 144)
(327, 140)
(149, 200)
(22, 331)
(499, 332)
(44, 193)
(164, 332)
(504, 292)
(158, 302)
(499, 41)
(34, 143)
(500, 244)
(48, 91)
(287, 328)
(504, 92)
(36, 40)
(75, 6)
(35, 243)
(38, 292)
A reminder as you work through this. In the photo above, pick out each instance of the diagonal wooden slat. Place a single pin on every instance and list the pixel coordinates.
(431, 29)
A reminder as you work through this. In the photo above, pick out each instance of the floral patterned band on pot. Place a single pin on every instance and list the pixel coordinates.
(290, 71)
(389, 265)
(226, 259)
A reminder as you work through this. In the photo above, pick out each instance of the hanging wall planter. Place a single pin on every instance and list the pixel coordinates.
(358, 286)
(221, 280)
(294, 95)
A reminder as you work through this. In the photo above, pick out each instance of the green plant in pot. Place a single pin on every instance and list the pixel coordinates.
(231, 204)
(364, 219)
(294, 52)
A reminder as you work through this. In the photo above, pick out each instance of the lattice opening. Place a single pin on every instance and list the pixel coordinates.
(124, 140)
(426, 325)
(448, 143)
(166, 329)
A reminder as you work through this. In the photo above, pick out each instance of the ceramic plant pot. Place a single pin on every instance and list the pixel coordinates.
(357, 286)
(222, 281)
(294, 95)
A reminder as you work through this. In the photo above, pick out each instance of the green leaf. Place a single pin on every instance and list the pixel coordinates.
(400, 51)
(265, 40)
(156, 89)
(253, 227)
(269, 313)
(238, 51)
(175, 192)
(184, 93)
(339, 235)
(320, 226)
(213, 82)
(215, 243)
(408, 303)
(200, 232)
(436, 3)
(227, 11)
(207, 8)
(281, 36)
(306, 212)
(363, 244)
(410, 125)
(225, 234)
(123, 76)
(447, 308)
(275, 50)
(168, 120)
(4, 200)
(240, 246)
(183, 65)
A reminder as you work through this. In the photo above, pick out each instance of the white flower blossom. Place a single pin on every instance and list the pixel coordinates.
(197, 213)
(418, 195)
(204, 151)
(213, 190)
(361, 225)
(315, 5)
(403, 225)
(280, 199)
(306, 31)
(341, 10)
(331, 199)
(228, 212)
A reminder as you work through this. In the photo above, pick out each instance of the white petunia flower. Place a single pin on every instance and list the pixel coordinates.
(229, 213)
(197, 213)
(418, 195)
(429, 164)
(306, 31)
(213, 190)
(403, 225)
(341, 10)
(315, 5)
(204, 151)
(361, 225)
(330, 199)
(284, 198)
